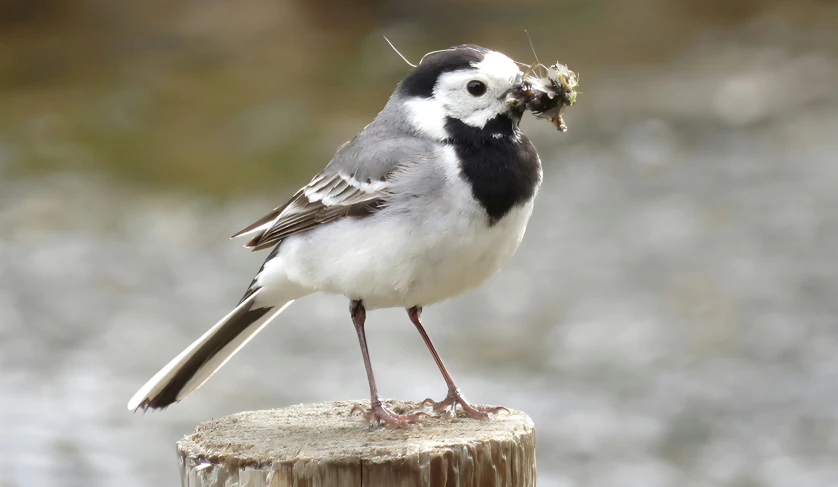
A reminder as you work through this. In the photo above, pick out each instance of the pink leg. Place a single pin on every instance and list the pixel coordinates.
(378, 412)
(454, 396)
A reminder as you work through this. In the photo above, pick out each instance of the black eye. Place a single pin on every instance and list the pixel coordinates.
(476, 88)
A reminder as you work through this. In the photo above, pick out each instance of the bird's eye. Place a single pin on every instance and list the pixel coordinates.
(476, 88)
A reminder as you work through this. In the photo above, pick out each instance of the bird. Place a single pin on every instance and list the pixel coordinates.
(426, 202)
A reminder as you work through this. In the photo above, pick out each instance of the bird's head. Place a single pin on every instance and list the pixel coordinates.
(466, 84)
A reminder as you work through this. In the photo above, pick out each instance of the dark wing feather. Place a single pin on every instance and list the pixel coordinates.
(328, 197)
(357, 181)
(262, 221)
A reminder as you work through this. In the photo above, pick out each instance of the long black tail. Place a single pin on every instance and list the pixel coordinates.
(192, 367)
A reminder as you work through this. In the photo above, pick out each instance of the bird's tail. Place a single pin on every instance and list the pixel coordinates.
(192, 367)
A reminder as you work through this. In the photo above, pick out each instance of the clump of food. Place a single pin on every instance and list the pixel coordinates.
(547, 95)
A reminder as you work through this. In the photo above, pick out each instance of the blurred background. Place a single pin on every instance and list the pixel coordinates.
(670, 319)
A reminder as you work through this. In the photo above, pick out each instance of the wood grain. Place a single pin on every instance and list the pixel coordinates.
(321, 445)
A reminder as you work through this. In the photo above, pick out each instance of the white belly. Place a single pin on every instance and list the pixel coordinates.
(400, 262)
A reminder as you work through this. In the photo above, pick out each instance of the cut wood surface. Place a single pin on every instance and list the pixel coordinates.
(323, 445)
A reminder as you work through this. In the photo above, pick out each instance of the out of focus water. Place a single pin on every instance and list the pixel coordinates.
(670, 319)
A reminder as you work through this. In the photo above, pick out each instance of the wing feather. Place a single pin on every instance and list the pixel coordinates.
(326, 198)
(357, 181)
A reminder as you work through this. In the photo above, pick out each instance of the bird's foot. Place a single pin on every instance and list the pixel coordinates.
(381, 413)
(455, 397)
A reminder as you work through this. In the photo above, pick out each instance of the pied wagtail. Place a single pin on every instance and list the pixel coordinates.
(427, 201)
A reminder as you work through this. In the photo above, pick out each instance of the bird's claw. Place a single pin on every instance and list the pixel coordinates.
(380, 413)
(455, 397)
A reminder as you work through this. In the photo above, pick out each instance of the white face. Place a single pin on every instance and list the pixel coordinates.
(496, 72)
(453, 98)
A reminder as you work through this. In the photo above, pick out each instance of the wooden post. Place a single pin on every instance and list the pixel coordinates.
(321, 445)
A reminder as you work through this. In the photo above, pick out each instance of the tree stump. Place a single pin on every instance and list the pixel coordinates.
(321, 445)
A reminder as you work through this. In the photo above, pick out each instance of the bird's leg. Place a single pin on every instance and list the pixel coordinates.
(454, 396)
(378, 411)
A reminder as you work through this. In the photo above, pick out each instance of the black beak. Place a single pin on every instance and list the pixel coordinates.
(514, 97)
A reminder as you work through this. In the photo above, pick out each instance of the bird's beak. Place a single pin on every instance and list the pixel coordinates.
(514, 97)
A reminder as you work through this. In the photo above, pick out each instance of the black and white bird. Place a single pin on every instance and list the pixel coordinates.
(427, 201)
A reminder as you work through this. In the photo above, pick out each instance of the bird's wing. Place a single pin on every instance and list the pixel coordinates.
(355, 183)
(326, 198)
